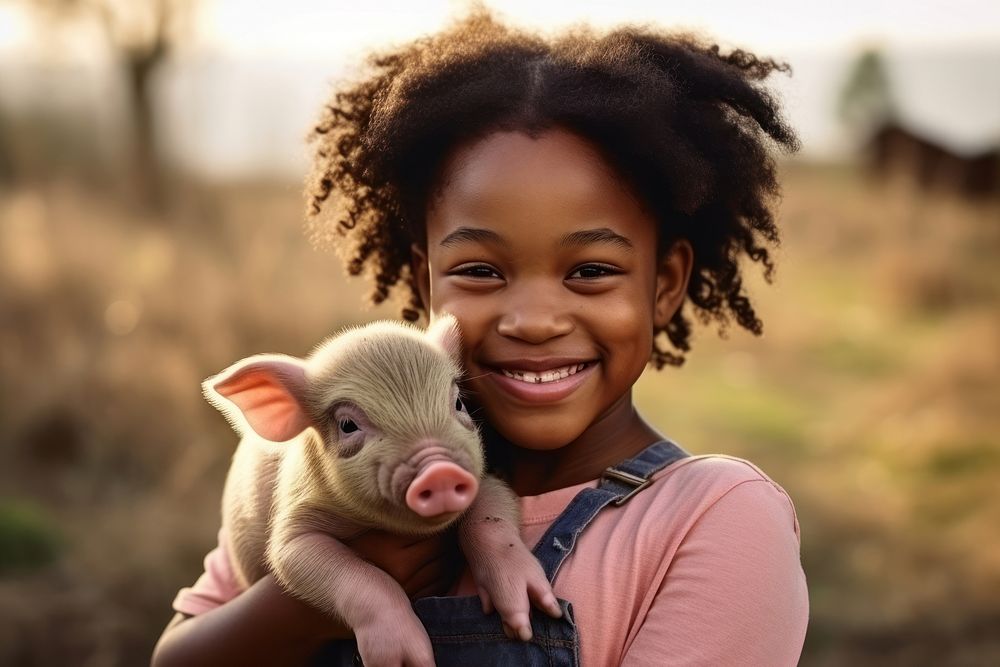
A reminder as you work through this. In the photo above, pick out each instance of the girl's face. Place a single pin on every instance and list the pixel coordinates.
(550, 267)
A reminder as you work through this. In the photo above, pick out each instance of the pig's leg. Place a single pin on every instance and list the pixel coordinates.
(508, 576)
(328, 575)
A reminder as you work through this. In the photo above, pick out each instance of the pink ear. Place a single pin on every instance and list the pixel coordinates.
(268, 390)
(444, 333)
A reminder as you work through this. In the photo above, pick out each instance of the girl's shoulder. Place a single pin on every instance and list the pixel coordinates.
(715, 470)
(693, 486)
(727, 492)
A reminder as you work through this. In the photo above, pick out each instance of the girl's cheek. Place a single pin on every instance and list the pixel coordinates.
(471, 311)
(625, 327)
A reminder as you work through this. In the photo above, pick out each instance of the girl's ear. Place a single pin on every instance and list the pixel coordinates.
(268, 390)
(421, 275)
(672, 276)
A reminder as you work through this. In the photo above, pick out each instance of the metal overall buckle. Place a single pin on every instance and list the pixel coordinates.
(639, 483)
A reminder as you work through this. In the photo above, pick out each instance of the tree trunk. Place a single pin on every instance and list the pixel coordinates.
(146, 174)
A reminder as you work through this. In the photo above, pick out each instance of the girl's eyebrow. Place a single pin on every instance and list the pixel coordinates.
(472, 235)
(601, 235)
(579, 238)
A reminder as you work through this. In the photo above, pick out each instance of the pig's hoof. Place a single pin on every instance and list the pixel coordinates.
(392, 644)
(518, 626)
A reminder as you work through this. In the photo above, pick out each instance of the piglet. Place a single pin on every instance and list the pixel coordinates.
(368, 432)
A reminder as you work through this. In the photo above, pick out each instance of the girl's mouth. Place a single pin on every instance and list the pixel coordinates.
(542, 386)
(542, 377)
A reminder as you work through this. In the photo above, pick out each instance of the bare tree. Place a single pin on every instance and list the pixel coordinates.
(141, 34)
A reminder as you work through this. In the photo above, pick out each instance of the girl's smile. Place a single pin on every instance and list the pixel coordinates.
(551, 381)
(551, 267)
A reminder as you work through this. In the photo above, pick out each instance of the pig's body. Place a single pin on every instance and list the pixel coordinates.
(368, 432)
(247, 501)
(256, 486)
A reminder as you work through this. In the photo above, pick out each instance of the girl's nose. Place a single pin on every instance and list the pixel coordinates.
(534, 318)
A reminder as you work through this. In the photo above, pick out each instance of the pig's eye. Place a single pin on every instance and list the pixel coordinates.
(461, 412)
(347, 426)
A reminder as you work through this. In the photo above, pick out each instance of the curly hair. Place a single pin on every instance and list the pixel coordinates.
(688, 127)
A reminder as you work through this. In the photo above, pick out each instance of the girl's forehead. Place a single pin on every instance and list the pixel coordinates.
(557, 175)
(500, 157)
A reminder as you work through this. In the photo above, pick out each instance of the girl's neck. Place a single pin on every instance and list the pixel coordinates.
(617, 435)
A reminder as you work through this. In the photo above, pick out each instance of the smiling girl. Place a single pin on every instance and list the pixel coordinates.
(572, 202)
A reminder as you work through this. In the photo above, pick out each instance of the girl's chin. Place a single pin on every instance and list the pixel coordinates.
(539, 434)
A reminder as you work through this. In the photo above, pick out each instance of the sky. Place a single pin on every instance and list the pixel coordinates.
(307, 28)
(278, 58)
(326, 26)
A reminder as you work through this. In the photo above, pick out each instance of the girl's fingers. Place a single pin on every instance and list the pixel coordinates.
(424, 566)
(428, 580)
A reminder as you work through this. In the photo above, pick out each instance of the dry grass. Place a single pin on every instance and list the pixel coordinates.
(873, 399)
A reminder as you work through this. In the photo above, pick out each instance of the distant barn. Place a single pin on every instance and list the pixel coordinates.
(897, 150)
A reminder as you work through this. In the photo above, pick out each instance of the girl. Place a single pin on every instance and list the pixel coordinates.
(572, 202)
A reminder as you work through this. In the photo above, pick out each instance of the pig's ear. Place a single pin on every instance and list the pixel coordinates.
(269, 392)
(444, 333)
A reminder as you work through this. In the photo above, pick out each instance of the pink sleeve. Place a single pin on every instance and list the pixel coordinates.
(216, 586)
(735, 592)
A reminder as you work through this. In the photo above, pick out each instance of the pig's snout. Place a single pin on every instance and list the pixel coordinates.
(440, 488)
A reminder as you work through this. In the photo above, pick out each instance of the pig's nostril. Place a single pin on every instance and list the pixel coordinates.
(441, 488)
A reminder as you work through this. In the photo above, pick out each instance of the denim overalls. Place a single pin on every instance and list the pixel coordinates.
(462, 635)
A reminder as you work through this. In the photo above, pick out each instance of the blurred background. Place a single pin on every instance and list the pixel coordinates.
(151, 233)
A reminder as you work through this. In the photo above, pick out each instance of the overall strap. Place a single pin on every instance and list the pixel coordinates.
(618, 484)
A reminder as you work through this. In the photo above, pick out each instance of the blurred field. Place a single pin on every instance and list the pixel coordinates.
(873, 398)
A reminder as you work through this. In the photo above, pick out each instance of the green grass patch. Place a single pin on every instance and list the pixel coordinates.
(711, 406)
(760, 414)
(962, 459)
(852, 357)
(29, 540)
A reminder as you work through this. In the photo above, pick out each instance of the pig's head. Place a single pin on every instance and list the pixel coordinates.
(395, 442)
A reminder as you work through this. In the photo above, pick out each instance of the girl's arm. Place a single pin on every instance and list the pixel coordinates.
(735, 593)
(265, 625)
(262, 625)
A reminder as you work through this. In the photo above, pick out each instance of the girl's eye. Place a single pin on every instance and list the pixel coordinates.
(347, 426)
(476, 271)
(591, 271)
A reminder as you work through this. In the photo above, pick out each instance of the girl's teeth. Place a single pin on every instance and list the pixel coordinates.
(543, 376)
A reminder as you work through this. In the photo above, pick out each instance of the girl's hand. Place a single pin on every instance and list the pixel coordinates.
(423, 566)
(266, 625)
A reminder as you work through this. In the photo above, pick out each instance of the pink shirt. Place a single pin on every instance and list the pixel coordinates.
(700, 568)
